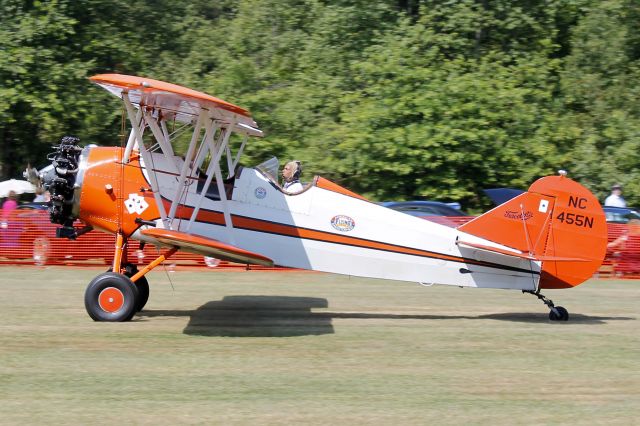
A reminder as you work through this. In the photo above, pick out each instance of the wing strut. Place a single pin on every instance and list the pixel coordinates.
(234, 164)
(153, 179)
(209, 146)
(154, 106)
(217, 149)
(181, 187)
(132, 141)
(161, 137)
(218, 173)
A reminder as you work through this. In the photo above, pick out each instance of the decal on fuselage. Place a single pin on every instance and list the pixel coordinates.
(343, 223)
(135, 204)
(510, 214)
(544, 205)
(260, 192)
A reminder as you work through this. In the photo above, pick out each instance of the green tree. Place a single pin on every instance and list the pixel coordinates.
(48, 51)
(428, 117)
(395, 99)
(36, 67)
(601, 94)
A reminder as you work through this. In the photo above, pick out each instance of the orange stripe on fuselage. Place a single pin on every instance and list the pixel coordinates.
(334, 187)
(260, 225)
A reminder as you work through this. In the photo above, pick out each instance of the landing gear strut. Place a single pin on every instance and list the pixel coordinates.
(117, 295)
(556, 313)
(129, 270)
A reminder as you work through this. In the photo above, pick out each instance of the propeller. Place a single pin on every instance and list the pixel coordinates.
(32, 175)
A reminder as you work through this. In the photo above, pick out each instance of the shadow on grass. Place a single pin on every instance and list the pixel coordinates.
(285, 316)
(507, 316)
(541, 317)
(255, 316)
(512, 316)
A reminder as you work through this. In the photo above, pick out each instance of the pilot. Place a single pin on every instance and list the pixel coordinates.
(291, 176)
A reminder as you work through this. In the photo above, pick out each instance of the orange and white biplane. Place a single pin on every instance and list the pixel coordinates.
(553, 236)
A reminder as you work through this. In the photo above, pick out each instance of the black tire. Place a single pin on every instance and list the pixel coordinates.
(559, 314)
(142, 284)
(143, 293)
(111, 297)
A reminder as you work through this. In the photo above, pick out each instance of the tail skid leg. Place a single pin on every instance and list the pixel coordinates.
(556, 313)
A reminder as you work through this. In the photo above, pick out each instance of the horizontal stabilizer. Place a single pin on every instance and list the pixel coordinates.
(206, 246)
(520, 254)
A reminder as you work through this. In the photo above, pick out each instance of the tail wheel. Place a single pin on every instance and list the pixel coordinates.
(558, 313)
(111, 297)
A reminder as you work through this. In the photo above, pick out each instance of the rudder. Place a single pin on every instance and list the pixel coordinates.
(557, 218)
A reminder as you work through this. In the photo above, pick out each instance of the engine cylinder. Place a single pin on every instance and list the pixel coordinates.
(61, 184)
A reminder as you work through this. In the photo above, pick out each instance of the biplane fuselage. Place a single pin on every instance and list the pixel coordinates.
(553, 236)
(323, 228)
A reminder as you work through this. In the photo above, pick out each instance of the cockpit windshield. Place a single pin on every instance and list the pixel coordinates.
(270, 168)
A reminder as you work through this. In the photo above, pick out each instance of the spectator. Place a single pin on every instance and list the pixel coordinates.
(10, 204)
(9, 230)
(615, 199)
(40, 196)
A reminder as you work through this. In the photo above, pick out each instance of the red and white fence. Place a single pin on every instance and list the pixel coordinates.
(27, 237)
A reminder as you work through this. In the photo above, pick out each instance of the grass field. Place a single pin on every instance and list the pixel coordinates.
(314, 349)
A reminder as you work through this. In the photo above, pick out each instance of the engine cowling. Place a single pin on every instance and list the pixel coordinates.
(61, 180)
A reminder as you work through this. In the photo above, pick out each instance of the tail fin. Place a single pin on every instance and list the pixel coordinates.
(557, 221)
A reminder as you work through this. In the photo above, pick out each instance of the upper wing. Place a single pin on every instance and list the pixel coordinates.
(206, 246)
(175, 102)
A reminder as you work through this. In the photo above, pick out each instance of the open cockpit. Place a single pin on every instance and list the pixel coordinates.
(270, 168)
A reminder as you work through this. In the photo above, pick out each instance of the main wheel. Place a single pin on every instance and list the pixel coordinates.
(111, 297)
(558, 313)
(142, 284)
(143, 293)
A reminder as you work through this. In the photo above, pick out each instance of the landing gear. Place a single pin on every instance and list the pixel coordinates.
(143, 293)
(556, 313)
(114, 296)
(142, 284)
(111, 297)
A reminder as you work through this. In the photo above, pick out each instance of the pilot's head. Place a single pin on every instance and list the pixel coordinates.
(291, 171)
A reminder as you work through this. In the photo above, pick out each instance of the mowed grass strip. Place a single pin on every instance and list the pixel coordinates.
(306, 348)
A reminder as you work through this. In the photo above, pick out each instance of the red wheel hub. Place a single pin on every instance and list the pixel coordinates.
(111, 299)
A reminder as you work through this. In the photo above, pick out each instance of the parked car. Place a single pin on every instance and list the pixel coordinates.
(425, 208)
(502, 195)
(613, 214)
(33, 206)
(620, 214)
